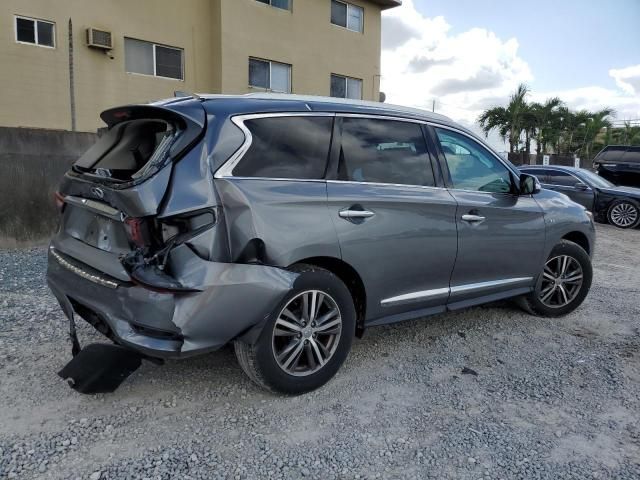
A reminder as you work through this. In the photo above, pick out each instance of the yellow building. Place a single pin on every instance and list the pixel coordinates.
(64, 61)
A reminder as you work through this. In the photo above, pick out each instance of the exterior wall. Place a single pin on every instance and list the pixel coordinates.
(218, 37)
(304, 38)
(35, 80)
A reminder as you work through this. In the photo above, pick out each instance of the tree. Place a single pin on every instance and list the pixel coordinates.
(545, 122)
(507, 121)
(592, 126)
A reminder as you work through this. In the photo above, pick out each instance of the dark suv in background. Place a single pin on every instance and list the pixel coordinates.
(620, 164)
(288, 225)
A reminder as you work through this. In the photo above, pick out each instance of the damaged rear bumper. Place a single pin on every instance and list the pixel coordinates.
(232, 300)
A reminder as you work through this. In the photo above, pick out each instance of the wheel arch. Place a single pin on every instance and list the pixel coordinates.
(580, 239)
(351, 279)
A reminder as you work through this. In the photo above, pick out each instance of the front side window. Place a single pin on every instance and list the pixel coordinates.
(346, 87)
(287, 147)
(283, 4)
(36, 32)
(473, 167)
(384, 151)
(347, 15)
(149, 58)
(270, 75)
(562, 179)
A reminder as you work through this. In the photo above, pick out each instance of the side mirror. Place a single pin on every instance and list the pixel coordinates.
(529, 184)
(581, 186)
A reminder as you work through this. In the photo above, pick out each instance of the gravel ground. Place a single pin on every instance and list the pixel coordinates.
(553, 399)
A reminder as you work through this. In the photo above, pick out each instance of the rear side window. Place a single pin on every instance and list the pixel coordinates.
(384, 151)
(287, 147)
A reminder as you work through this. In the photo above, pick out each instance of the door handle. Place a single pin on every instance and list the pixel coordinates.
(473, 218)
(355, 213)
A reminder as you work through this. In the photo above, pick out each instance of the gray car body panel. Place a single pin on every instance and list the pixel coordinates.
(414, 256)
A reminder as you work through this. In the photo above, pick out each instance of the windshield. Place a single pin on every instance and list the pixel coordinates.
(595, 180)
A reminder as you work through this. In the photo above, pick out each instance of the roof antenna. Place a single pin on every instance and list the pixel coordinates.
(181, 94)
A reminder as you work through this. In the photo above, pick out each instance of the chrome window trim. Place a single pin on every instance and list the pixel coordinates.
(382, 184)
(226, 169)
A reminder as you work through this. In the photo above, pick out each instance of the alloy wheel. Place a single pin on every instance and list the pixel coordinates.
(624, 214)
(306, 333)
(561, 281)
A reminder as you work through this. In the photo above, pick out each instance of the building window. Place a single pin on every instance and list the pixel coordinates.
(270, 75)
(283, 4)
(36, 32)
(347, 15)
(149, 58)
(346, 87)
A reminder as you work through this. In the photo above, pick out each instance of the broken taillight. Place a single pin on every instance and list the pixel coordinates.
(135, 228)
(59, 200)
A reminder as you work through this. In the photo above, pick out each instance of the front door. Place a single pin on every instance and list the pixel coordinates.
(570, 185)
(501, 235)
(395, 224)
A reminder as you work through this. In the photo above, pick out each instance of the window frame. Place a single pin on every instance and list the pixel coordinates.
(226, 169)
(270, 62)
(269, 3)
(564, 172)
(444, 167)
(349, 6)
(155, 66)
(440, 171)
(35, 31)
(431, 160)
(346, 85)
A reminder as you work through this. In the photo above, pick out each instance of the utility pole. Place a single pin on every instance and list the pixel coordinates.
(433, 105)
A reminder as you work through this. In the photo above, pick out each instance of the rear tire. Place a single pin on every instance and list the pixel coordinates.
(563, 284)
(306, 338)
(624, 213)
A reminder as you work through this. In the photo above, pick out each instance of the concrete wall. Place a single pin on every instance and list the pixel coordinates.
(32, 162)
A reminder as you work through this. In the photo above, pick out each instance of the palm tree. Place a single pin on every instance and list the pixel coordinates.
(593, 125)
(544, 114)
(509, 120)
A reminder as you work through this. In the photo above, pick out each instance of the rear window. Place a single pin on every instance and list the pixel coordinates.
(287, 147)
(128, 150)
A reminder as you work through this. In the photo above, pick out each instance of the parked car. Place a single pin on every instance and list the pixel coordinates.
(620, 164)
(619, 206)
(287, 225)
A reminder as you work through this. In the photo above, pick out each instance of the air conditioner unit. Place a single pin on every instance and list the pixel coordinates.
(99, 39)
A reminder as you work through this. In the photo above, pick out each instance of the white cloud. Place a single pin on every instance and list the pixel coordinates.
(470, 71)
(628, 79)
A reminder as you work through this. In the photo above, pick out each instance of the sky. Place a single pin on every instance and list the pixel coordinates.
(469, 55)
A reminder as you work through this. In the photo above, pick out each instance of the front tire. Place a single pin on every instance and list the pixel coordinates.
(307, 337)
(624, 214)
(563, 284)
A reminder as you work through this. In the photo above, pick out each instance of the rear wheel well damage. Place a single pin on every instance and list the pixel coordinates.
(580, 239)
(350, 278)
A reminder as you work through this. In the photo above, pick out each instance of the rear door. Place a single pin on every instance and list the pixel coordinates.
(394, 220)
(501, 235)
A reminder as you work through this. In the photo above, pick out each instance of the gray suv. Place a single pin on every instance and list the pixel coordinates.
(287, 225)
